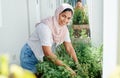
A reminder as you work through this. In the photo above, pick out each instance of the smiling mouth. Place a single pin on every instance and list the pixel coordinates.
(63, 23)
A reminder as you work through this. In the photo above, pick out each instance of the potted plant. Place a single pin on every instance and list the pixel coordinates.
(79, 17)
(80, 21)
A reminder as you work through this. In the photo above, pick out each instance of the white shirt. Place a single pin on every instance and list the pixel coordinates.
(42, 36)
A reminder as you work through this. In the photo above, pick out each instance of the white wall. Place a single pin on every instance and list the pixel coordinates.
(110, 36)
(14, 30)
(46, 8)
(95, 9)
(33, 14)
(0, 14)
(118, 55)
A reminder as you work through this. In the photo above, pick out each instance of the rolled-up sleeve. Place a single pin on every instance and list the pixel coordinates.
(67, 37)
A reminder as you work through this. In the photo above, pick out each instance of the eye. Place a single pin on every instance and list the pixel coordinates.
(64, 16)
(69, 18)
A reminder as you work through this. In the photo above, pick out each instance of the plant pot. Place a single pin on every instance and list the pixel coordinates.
(78, 29)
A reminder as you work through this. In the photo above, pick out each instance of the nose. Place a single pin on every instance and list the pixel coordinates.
(66, 20)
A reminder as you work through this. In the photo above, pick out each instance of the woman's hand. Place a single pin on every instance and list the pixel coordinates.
(78, 66)
(73, 73)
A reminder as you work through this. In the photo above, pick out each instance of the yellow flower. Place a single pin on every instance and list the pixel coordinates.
(4, 65)
(19, 72)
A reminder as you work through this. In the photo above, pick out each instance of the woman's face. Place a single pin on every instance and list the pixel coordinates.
(79, 4)
(64, 18)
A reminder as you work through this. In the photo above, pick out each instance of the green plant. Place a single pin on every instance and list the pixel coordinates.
(71, 31)
(80, 17)
(83, 33)
(90, 59)
(90, 56)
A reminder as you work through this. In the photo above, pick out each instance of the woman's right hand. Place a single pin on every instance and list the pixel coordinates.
(73, 73)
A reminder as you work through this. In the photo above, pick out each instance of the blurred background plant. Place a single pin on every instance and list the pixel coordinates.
(80, 17)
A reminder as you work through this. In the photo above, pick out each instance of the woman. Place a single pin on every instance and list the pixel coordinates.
(48, 34)
(79, 5)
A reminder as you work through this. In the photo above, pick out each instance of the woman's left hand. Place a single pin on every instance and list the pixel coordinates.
(78, 66)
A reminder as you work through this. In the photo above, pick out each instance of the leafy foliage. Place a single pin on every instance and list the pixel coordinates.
(50, 70)
(80, 17)
(90, 59)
